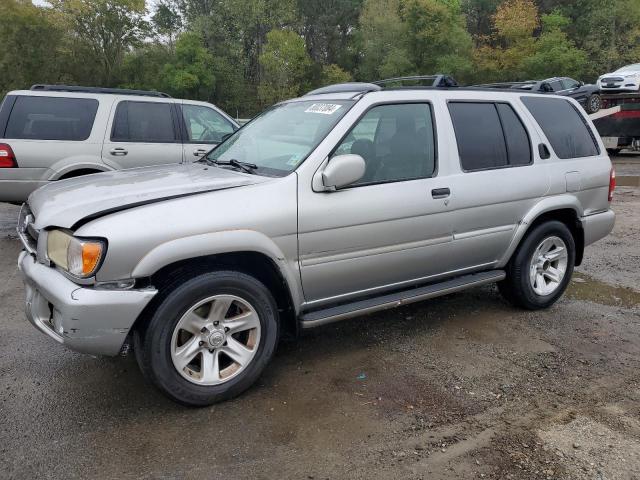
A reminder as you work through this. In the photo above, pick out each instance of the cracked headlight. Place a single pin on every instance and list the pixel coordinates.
(78, 256)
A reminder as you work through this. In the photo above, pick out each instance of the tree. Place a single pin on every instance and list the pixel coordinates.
(31, 39)
(554, 54)
(105, 29)
(438, 41)
(381, 41)
(167, 21)
(190, 74)
(284, 62)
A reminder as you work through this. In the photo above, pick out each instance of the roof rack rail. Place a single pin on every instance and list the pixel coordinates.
(437, 80)
(354, 87)
(113, 91)
(506, 84)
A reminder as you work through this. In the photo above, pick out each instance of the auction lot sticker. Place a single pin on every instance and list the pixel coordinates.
(324, 108)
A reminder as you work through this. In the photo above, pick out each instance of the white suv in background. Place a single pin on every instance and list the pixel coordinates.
(53, 132)
(626, 78)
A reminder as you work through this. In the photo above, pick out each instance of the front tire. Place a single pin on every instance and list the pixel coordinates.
(210, 338)
(540, 270)
(594, 103)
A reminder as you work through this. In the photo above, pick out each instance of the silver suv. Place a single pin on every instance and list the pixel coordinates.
(342, 202)
(54, 132)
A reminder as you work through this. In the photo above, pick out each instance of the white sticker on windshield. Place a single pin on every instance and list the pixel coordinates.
(324, 108)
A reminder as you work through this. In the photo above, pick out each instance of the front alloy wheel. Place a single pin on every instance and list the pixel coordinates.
(210, 337)
(215, 340)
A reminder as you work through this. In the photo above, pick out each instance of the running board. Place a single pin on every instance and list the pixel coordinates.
(392, 300)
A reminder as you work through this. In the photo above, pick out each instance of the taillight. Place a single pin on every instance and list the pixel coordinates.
(7, 158)
(612, 183)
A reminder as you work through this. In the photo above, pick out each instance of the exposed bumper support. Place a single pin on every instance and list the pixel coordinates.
(84, 319)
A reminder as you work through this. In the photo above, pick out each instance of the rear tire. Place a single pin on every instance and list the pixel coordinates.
(541, 268)
(214, 323)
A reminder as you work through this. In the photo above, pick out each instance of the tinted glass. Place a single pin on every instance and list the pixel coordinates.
(150, 122)
(282, 137)
(556, 85)
(564, 127)
(51, 118)
(204, 124)
(481, 143)
(395, 141)
(568, 83)
(518, 145)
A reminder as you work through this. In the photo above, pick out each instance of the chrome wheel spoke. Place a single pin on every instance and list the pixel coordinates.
(187, 352)
(219, 309)
(210, 367)
(237, 351)
(555, 254)
(192, 323)
(552, 274)
(240, 323)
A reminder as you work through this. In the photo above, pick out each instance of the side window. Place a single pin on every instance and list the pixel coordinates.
(516, 136)
(481, 143)
(489, 135)
(569, 84)
(563, 125)
(51, 118)
(397, 142)
(556, 85)
(204, 124)
(145, 122)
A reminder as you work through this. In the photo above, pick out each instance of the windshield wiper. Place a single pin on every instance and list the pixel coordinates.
(246, 166)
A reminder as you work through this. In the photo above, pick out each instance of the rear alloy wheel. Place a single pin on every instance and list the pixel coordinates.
(540, 270)
(594, 103)
(210, 338)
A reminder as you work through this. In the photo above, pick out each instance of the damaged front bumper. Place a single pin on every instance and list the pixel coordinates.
(85, 319)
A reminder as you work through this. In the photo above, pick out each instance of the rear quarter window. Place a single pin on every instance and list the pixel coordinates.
(566, 129)
(51, 118)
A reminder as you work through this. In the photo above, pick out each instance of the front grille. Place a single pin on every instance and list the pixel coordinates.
(612, 80)
(27, 233)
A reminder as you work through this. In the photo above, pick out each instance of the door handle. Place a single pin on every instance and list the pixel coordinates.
(440, 192)
(118, 152)
(198, 152)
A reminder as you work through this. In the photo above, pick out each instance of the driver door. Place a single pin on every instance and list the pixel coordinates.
(204, 128)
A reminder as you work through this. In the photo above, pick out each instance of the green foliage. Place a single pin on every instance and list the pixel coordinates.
(245, 54)
(284, 62)
(31, 41)
(189, 74)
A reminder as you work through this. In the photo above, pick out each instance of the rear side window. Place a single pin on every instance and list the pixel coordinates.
(563, 125)
(51, 118)
(145, 122)
(489, 136)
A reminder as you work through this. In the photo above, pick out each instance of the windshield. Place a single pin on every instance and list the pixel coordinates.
(282, 137)
(630, 68)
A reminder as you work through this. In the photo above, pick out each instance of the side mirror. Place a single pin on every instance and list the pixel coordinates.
(343, 170)
(581, 83)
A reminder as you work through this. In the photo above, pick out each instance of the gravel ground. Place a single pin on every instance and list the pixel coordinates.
(462, 386)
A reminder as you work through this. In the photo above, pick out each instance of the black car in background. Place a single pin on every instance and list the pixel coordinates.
(587, 95)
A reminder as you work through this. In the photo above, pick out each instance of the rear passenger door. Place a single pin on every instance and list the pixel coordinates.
(204, 128)
(142, 133)
(499, 180)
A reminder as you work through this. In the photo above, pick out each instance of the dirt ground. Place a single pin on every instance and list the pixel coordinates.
(463, 386)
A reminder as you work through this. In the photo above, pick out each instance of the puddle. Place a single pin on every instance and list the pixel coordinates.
(628, 181)
(584, 287)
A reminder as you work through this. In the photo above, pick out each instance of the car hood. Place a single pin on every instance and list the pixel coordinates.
(67, 202)
(619, 74)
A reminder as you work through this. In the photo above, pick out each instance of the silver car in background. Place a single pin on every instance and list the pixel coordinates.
(345, 201)
(54, 132)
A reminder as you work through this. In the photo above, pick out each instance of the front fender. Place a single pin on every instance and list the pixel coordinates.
(228, 241)
(548, 204)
